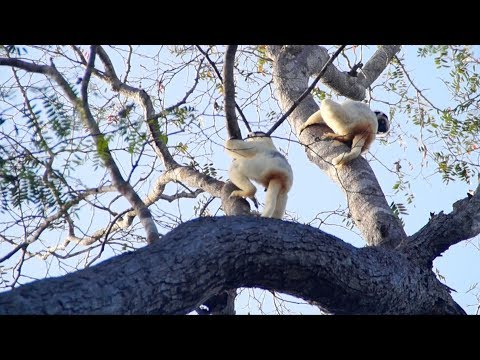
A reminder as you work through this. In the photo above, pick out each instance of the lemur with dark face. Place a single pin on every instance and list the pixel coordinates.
(350, 121)
(256, 158)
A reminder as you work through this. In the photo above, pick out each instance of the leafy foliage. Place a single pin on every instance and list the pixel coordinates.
(56, 192)
(398, 209)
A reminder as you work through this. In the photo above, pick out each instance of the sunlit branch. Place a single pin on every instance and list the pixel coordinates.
(141, 97)
(185, 174)
(102, 146)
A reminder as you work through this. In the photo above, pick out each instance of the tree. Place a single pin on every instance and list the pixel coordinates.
(93, 148)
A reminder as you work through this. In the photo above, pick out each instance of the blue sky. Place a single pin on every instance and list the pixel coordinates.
(312, 192)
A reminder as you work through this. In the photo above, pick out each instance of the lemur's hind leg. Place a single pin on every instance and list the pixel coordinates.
(357, 144)
(247, 189)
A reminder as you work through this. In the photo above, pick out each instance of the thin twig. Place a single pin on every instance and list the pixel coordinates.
(22, 246)
(169, 109)
(229, 93)
(221, 79)
(204, 207)
(104, 242)
(413, 84)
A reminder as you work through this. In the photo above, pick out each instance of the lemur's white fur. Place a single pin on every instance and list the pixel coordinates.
(258, 159)
(350, 121)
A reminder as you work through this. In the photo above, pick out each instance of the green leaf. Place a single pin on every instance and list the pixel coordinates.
(163, 138)
(102, 147)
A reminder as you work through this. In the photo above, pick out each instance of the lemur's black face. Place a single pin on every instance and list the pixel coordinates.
(383, 124)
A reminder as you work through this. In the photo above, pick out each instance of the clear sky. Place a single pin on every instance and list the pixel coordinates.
(314, 193)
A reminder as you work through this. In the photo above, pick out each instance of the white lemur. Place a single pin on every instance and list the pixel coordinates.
(350, 121)
(258, 159)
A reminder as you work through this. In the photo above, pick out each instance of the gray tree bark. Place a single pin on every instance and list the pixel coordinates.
(204, 256)
(292, 68)
(207, 256)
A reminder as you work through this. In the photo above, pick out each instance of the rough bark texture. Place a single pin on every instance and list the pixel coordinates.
(206, 258)
(292, 68)
(190, 265)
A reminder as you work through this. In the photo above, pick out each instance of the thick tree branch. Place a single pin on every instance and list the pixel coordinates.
(366, 201)
(353, 87)
(176, 173)
(443, 231)
(184, 174)
(27, 66)
(229, 91)
(191, 177)
(202, 257)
